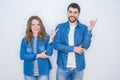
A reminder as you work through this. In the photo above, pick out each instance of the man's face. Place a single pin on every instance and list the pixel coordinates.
(73, 14)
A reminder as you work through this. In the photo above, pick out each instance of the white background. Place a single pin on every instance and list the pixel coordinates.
(102, 58)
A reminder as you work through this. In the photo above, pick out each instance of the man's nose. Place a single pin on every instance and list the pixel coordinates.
(72, 14)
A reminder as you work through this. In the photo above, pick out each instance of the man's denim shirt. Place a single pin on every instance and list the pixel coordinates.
(81, 37)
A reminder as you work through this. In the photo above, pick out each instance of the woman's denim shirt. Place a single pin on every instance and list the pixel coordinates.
(27, 54)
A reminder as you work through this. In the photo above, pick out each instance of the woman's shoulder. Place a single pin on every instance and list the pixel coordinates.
(47, 37)
(23, 40)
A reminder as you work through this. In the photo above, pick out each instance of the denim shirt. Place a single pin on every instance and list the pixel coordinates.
(27, 54)
(81, 37)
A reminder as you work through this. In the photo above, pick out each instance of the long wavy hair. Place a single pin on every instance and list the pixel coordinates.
(29, 34)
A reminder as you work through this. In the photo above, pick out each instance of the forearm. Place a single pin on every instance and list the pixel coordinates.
(28, 56)
(64, 48)
(87, 40)
(49, 49)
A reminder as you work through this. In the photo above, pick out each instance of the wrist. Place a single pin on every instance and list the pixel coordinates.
(38, 55)
(50, 40)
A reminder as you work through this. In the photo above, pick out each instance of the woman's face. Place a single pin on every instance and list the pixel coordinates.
(35, 26)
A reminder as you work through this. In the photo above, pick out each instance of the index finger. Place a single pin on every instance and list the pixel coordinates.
(56, 30)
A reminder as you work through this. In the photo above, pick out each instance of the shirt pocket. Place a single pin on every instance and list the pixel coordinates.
(29, 49)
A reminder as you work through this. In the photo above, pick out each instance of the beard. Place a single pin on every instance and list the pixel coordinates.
(72, 19)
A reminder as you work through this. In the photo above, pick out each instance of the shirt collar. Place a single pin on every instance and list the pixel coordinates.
(78, 23)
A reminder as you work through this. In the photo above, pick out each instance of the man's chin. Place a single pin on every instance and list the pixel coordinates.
(72, 21)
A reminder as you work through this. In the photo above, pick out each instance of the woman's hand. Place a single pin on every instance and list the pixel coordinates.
(42, 55)
(52, 34)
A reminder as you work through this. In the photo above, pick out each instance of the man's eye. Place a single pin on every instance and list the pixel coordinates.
(70, 11)
(75, 12)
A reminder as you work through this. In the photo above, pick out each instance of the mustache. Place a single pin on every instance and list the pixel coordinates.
(71, 16)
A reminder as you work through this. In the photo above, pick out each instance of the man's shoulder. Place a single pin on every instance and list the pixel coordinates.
(63, 23)
(60, 25)
(81, 25)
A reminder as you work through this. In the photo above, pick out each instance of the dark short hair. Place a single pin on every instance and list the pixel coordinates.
(74, 5)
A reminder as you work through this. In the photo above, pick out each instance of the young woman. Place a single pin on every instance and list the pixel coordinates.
(36, 47)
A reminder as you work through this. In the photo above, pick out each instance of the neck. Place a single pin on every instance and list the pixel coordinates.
(73, 24)
(35, 35)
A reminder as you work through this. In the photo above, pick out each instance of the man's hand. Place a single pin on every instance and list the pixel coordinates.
(92, 24)
(79, 49)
